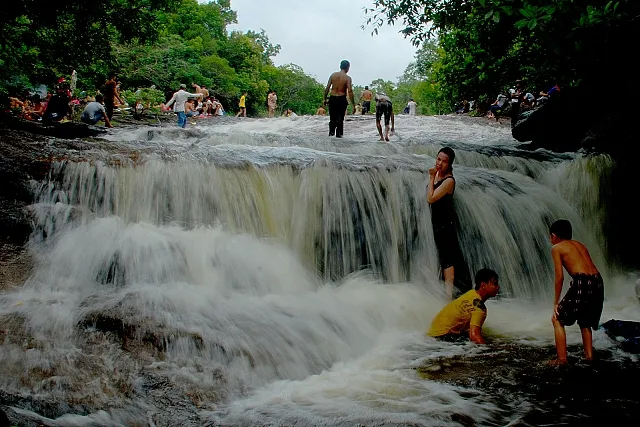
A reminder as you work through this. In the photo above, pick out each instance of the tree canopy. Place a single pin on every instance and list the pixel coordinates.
(147, 42)
(487, 44)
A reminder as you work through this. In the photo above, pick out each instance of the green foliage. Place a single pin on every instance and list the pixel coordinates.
(144, 99)
(161, 43)
(42, 39)
(487, 44)
(295, 90)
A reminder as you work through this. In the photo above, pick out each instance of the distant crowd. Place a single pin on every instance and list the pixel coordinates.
(62, 104)
(511, 102)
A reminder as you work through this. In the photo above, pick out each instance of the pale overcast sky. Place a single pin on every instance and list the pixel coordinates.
(318, 34)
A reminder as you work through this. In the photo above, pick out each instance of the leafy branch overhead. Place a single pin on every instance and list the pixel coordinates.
(487, 44)
(148, 42)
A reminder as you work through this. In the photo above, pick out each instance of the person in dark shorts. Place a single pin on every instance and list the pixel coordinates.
(366, 96)
(384, 106)
(440, 191)
(583, 301)
(340, 86)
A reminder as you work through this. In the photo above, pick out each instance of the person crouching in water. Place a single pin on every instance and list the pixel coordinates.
(95, 112)
(465, 316)
(440, 191)
(584, 299)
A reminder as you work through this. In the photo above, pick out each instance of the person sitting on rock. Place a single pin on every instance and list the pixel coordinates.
(497, 105)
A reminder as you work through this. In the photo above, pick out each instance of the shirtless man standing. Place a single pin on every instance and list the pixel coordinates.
(111, 94)
(340, 86)
(583, 302)
(366, 96)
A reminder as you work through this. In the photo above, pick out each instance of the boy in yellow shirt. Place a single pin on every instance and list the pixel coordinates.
(243, 105)
(466, 314)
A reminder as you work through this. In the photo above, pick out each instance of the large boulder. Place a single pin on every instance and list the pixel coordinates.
(577, 118)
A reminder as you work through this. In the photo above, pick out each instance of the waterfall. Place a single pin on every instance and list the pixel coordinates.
(260, 272)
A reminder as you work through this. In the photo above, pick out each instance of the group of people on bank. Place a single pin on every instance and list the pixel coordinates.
(464, 317)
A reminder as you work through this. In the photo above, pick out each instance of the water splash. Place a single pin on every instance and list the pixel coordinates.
(258, 272)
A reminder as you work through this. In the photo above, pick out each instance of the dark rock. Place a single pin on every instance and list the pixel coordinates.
(22, 158)
(4, 420)
(67, 130)
(573, 120)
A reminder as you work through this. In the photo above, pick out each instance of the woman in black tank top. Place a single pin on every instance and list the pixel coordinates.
(440, 191)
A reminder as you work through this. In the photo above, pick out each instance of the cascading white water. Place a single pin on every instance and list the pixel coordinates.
(265, 273)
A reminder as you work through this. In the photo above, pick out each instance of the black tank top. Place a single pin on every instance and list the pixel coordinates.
(442, 213)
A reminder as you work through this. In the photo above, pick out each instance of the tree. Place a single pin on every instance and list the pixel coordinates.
(161, 43)
(489, 43)
(295, 89)
(56, 37)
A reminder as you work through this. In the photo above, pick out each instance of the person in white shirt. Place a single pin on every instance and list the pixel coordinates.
(412, 107)
(178, 100)
(95, 111)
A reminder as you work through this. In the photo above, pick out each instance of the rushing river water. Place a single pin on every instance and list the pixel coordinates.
(258, 272)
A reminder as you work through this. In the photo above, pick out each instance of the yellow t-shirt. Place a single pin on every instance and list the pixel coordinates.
(242, 101)
(459, 315)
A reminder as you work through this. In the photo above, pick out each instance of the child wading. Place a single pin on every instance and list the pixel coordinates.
(583, 301)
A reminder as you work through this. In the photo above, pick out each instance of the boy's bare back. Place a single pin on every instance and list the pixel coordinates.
(367, 95)
(575, 257)
(339, 82)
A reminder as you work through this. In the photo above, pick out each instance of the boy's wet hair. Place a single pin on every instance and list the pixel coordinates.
(562, 229)
(449, 152)
(344, 65)
(485, 275)
(99, 98)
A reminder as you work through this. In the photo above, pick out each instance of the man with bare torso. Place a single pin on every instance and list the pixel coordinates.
(583, 301)
(366, 96)
(340, 86)
(111, 94)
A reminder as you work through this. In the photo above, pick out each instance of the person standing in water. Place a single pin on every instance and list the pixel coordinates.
(366, 96)
(584, 299)
(440, 191)
(272, 103)
(178, 100)
(340, 86)
(412, 107)
(111, 94)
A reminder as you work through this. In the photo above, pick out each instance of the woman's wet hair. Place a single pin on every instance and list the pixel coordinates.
(450, 153)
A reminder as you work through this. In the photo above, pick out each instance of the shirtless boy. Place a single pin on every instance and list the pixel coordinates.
(583, 301)
(340, 86)
(366, 96)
